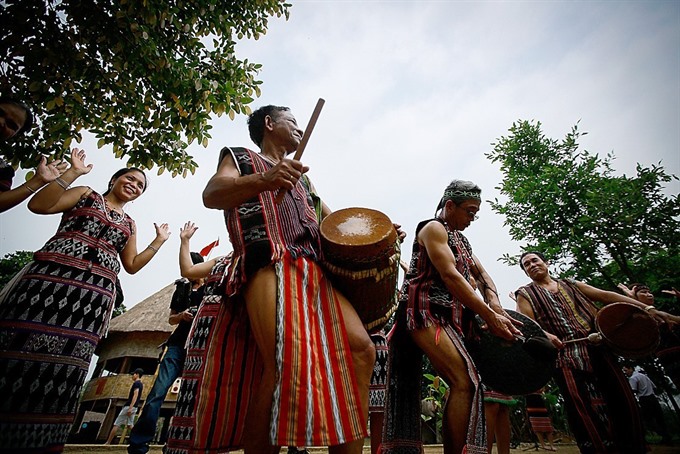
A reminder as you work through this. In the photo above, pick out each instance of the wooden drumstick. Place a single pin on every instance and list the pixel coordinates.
(304, 140)
(593, 338)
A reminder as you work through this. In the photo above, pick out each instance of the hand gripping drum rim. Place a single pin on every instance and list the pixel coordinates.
(508, 366)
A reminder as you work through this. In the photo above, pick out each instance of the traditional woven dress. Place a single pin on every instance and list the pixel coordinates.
(316, 400)
(426, 301)
(539, 419)
(221, 371)
(50, 322)
(601, 408)
(377, 390)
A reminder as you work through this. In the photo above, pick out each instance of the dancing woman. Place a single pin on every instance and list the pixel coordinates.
(53, 316)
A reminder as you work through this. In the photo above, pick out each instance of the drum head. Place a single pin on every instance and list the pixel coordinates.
(628, 330)
(357, 234)
(509, 367)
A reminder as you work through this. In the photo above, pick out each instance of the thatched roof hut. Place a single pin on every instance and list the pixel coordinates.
(133, 341)
(150, 314)
(136, 334)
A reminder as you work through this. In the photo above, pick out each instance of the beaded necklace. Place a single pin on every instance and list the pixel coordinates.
(111, 214)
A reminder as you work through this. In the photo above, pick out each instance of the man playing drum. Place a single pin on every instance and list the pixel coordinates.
(437, 298)
(317, 357)
(601, 409)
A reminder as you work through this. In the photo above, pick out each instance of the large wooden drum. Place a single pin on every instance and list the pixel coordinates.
(361, 253)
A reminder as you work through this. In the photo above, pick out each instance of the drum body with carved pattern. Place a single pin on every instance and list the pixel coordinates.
(361, 254)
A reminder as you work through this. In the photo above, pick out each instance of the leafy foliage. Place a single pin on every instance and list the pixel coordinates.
(437, 393)
(118, 310)
(595, 226)
(12, 263)
(142, 75)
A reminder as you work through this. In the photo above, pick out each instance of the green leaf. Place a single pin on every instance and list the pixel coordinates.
(132, 70)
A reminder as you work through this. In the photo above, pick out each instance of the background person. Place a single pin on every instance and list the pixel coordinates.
(650, 408)
(183, 305)
(668, 352)
(497, 408)
(539, 420)
(208, 417)
(66, 294)
(126, 417)
(15, 119)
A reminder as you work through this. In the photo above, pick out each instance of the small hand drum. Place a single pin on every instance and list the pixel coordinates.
(361, 254)
(511, 367)
(628, 330)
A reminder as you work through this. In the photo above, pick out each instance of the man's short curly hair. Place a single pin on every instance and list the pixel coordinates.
(256, 121)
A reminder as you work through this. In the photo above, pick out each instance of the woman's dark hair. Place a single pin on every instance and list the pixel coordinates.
(540, 256)
(28, 123)
(458, 191)
(256, 121)
(122, 172)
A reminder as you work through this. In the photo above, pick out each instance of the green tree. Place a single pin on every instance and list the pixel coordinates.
(11, 264)
(142, 75)
(595, 226)
(118, 310)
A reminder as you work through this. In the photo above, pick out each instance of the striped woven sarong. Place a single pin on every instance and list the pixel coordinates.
(402, 428)
(221, 371)
(316, 400)
(601, 409)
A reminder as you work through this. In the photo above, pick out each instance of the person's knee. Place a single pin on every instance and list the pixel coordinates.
(460, 383)
(363, 353)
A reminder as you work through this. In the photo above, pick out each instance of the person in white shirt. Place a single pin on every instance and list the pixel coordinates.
(644, 389)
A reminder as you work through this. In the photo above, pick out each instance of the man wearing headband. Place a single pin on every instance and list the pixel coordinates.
(436, 297)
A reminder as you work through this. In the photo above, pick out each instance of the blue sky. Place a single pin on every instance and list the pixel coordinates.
(415, 94)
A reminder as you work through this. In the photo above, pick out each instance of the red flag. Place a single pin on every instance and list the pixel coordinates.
(206, 250)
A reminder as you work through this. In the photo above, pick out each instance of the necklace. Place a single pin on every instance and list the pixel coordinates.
(111, 214)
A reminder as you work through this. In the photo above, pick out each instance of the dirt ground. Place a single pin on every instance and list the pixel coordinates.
(562, 448)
